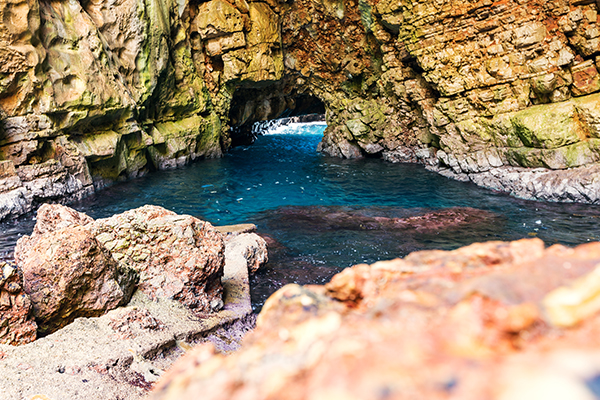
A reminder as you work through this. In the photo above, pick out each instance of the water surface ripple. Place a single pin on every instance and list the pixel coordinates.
(298, 197)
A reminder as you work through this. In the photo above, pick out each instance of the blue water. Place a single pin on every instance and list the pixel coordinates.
(320, 213)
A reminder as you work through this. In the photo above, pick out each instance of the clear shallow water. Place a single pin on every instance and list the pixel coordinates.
(323, 214)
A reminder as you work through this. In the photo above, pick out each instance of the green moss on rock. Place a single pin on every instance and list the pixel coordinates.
(549, 126)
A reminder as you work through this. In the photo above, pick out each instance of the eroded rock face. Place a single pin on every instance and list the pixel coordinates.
(177, 257)
(17, 325)
(100, 92)
(471, 90)
(492, 320)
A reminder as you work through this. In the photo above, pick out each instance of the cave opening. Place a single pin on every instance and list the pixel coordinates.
(253, 110)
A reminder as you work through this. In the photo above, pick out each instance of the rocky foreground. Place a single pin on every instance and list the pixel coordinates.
(102, 307)
(497, 320)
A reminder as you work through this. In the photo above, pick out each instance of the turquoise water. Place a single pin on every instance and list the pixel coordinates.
(323, 214)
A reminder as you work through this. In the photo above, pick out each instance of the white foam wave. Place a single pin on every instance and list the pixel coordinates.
(295, 128)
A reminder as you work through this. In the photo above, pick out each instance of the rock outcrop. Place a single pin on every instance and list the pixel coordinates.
(177, 257)
(121, 354)
(250, 248)
(497, 320)
(96, 93)
(471, 89)
(75, 266)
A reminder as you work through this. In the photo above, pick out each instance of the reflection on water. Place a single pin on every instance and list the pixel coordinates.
(312, 206)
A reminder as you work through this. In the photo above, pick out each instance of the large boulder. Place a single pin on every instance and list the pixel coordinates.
(178, 257)
(76, 266)
(17, 325)
(68, 274)
(50, 217)
(495, 320)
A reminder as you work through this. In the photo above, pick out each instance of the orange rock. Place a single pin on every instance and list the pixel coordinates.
(445, 324)
(17, 325)
(68, 274)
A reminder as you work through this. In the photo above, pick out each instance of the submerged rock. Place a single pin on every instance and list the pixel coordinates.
(322, 218)
(478, 322)
(17, 325)
(333, 231)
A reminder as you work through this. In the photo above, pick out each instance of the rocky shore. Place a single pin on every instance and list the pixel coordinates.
(100, 308)
(86, 314)
(574, 185)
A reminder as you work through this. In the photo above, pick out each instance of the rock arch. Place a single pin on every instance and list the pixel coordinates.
(100, 91)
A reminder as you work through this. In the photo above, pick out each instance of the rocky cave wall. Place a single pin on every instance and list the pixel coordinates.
(97, 91)
(502, 93)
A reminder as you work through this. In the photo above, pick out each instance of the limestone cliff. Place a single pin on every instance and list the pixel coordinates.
(505, 93)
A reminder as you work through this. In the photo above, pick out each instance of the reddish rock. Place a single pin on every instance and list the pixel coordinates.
(52, 217)
(322, 218)
(585, 78)
(17, 325)
(483, 322)
(177, 256)
(49, 218)
(68, 274)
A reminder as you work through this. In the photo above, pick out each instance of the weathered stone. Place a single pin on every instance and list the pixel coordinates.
(52, 217)
(68, 274)
(585, 78)
(219, 45)
(17, 325)
(265, 25)
(530, 33)
(463, 323)
(250, 247)
(549, 125)
(217, 18)
(101, 144)
(177, 257)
